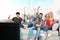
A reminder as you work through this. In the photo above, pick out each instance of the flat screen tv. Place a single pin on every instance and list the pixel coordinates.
(9, 31)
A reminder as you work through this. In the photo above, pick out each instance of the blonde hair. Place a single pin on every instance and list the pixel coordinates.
(29, 15)
(51, 14)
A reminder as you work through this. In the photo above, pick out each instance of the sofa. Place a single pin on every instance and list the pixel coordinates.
(54, 32)
(24, 34)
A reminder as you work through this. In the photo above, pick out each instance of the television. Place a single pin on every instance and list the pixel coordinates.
(9, 31)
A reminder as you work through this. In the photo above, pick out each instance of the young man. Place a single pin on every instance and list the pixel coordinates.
(36, 27)
(16, 19)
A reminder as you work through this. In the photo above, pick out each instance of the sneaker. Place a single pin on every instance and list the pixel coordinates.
(42, 34)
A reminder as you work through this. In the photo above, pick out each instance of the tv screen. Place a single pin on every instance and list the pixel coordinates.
(9, 31)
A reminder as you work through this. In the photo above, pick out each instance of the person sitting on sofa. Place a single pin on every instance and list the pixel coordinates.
(36, 27)
(16, 19)
(28, 20)
(49, 21)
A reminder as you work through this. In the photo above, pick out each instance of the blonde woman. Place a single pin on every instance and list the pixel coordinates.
(48, 23)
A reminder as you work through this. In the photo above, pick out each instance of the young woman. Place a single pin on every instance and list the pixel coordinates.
(28, 20)
(49, 20)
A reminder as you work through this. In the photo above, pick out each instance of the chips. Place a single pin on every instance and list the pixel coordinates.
(38, 25)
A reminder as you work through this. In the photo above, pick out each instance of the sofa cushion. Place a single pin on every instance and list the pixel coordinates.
(53, 38)
(55, 33)
(55, 26)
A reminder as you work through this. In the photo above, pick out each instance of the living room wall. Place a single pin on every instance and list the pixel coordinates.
(10, 7)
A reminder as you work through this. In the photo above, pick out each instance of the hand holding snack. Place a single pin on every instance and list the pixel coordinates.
(38, 25)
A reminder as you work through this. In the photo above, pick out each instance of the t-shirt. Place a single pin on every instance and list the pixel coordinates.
(49, 22)
(17, 20)
(35, 17)
(40, 21)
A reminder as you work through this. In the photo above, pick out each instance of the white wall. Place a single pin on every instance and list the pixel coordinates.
(8, 8)
(57, 8)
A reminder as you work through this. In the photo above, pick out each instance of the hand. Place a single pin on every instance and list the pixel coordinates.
(25, 26)
(38, 25)
(34, 10)
(38, 7)
(9, 16)
(9, 20)
(59, 21)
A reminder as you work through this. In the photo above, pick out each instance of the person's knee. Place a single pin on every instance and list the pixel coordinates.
(38, 28)
(31, 29)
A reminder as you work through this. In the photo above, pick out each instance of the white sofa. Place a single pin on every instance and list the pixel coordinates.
(54, 32)
(25, 35)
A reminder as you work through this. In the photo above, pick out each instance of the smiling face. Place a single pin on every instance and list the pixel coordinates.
(40, 16)
(17, 15)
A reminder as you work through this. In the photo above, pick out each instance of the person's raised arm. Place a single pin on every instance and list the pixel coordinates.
(37, 9)
(9, 20)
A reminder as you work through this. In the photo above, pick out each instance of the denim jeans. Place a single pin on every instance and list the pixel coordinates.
(37, 32)
(29, 25)
(46, 28)
(21, 26)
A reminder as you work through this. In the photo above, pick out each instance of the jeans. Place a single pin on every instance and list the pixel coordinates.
(46, 28)
(31, 32)
(21, 26)
(30, 25)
